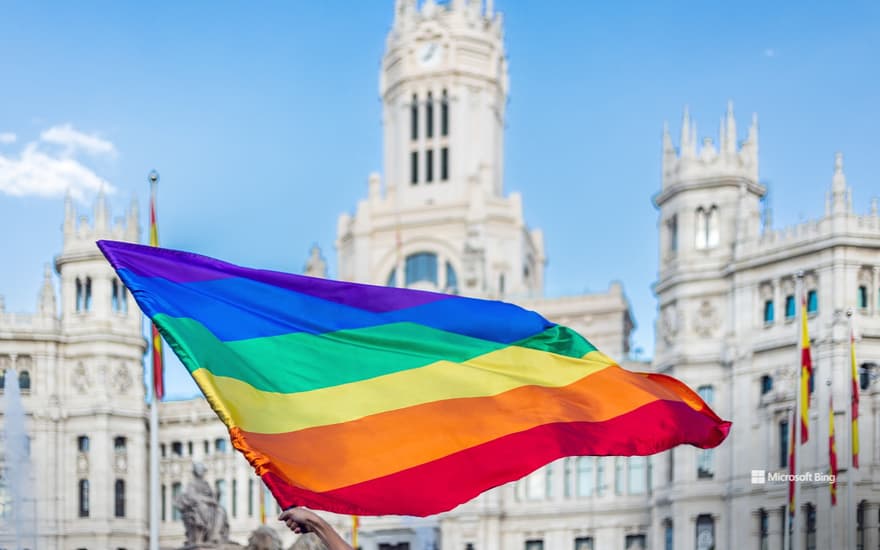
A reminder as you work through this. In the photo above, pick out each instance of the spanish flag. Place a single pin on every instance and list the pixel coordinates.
(854, 404)
(806, 374)
(369, 400)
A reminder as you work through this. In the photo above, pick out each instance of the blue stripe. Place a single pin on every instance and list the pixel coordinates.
(238, 309)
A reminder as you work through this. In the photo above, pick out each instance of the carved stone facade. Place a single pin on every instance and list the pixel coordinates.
(739, 289)
(80, 370)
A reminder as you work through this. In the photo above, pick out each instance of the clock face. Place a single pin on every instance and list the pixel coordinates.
(429, 54)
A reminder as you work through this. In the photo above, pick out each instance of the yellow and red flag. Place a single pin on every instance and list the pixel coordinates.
(854, 389)
(832, 452)
(792, 467)
(158, 377)
(806, 374)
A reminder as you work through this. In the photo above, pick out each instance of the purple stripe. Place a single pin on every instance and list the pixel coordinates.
(186, 267)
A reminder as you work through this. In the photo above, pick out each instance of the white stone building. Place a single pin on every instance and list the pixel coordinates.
(81, 373)
(439, 218)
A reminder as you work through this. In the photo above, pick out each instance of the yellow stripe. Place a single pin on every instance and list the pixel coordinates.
(241, 405)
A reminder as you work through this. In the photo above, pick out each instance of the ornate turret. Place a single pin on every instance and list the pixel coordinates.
(46, 305)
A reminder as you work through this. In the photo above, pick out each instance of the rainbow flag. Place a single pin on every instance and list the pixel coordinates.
(369, 400)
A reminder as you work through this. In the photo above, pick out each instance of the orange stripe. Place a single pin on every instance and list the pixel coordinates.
(393, 441)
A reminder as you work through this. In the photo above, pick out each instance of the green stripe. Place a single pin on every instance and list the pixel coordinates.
(302, 362)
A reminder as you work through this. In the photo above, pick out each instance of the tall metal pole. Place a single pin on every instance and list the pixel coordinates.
(795, 512)
(154, 433)
(850, 539)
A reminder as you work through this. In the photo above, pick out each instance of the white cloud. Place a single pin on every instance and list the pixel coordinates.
(769, 52)
(66, 136)
(7, 137)
(42, 172)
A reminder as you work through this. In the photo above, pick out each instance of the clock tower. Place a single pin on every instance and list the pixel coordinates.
(441, 220)
(444, 90)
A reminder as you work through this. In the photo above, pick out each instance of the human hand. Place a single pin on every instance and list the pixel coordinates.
(300, 520)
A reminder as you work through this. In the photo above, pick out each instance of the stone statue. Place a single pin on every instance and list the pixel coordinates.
(264, 538)
(308, 541)
(204, 519)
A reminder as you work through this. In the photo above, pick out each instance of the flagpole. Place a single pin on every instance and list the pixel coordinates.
(795, 515)
(154, 419)
(850, 539)
(832, 468)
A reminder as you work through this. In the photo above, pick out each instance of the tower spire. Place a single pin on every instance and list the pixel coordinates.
(729, 143)
(101, 214)
(839, 189)
(69, 214)
(686, 136)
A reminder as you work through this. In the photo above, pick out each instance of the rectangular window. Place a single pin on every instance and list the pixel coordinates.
(444, 115)
(444, 164)
(618, 475)
(429, 117)
(414, 119)
(207, 445)
(162, 505)
(812, 301)
(119, 444)
(668, 535)
(189, 448)
(250, 498)
(585, 479)
(637, 475)
(220, 445)
(119, 498)
(84, 498)
(635, 542)
(414, 167)
(429, 165)
(583, 543)
(789, 307)
(783, 444)
(863, 297)
(672, 229)
(82, 443)
(176, 488)
(535, 544)
(705, 466)
(768, 312)
(764, 530)
(234, 498)
(177, 448)
(162, 450)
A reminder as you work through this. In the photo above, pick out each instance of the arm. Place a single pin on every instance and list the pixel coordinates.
(303, 520)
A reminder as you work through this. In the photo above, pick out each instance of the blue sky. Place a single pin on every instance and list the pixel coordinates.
(264, 121)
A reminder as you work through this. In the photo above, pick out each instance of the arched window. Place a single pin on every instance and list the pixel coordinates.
(705, 532)
(712, 228)
(421, 267)
(24, 381)
(79, 295)
(444, 115)
(84, 498)
(87, 300)
(429, 166)
(444, 164)
(414, 118)
(119, 498)
(700, 227)
(429, 116)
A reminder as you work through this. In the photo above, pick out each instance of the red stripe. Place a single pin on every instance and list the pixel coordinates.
(445, 483)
